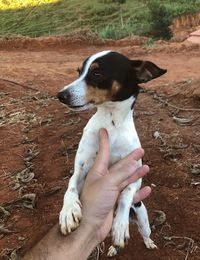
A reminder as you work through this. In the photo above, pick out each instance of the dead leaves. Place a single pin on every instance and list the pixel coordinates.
(25, 175)
(4, 212)
(183, 121)
(10, 253)
(46, 120)
(23, 117)
(27, 119)
(159, 219)
(197, 147)
(195, 183)
(5, 231)
(185, 244)
(195, 169)
(157, 135)
(27, 200)
(97, 252)
(169, 144)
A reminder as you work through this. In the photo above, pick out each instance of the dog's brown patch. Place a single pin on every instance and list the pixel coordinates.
(94, 66)
(97, 95)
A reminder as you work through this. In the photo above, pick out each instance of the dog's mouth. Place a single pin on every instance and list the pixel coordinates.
(74, 107)
(81, 107)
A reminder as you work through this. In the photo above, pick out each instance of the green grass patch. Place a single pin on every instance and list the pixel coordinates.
(107, 18)
(150, 43)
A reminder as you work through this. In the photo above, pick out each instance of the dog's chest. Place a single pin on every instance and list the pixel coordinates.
(122, 134)
(117, 119)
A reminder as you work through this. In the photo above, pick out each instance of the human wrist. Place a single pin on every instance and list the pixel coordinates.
(90, 231)
(84, 241)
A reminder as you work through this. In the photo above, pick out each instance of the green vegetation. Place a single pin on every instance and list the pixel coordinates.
(150, 43)
(109, 18)
(160, 19)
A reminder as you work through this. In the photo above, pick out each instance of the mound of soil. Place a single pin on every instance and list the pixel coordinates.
(84, 38)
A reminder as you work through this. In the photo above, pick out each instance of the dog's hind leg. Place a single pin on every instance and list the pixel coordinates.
(143, 224)
(120, 227)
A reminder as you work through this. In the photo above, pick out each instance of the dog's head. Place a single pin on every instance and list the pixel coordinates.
(107, 76)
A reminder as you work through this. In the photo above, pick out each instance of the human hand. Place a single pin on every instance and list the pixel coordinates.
(103, 186)
(99, 196)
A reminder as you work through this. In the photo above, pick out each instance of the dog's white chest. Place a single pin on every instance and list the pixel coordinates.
(123, 137)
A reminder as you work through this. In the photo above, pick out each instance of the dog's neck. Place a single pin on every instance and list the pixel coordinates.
(117, 112)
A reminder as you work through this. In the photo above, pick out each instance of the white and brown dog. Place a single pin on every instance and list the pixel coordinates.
(109, 81)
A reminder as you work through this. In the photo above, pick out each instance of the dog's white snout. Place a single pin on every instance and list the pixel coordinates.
(74, 94)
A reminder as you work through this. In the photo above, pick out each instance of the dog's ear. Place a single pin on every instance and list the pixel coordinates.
(146, 70)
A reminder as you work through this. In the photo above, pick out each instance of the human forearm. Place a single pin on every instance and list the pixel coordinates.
(53, 246)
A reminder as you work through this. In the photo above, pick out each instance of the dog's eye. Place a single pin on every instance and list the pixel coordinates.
(97, 74)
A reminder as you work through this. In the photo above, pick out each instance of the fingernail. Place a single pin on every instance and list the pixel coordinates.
(103, 131)
(147, 167)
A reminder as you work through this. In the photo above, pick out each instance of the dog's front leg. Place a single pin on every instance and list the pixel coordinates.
(70, 214)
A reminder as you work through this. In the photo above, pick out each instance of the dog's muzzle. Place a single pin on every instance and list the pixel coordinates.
(64, 97)
(73, 102)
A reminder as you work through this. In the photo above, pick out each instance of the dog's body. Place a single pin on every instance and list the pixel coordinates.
(113, 90)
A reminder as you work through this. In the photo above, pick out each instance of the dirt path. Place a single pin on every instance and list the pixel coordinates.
(59, 66)
(39, 138)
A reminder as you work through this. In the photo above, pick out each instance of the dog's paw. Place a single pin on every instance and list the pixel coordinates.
(112, 251)
(149, 243)
(70, 216)
(120, 232)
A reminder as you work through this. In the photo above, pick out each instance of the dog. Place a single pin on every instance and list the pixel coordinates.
(108, 81)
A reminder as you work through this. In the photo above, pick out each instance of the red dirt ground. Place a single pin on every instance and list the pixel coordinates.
(40, 135)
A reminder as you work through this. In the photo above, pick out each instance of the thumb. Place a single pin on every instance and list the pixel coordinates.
(102, 160)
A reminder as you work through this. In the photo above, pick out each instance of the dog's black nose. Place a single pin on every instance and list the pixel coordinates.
(62, 96)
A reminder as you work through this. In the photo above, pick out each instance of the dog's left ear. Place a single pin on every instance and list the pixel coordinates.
(146, 70)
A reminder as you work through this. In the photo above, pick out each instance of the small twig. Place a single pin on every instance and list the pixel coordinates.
(177, 237)
(190, 247)
(6, 231)
(26, 199)
(51, 191)
(173, 106)
(6, 186)
(4, 212)
(60, 73)
(18, 84)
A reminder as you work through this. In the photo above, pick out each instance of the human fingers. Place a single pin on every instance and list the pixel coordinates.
(139, 173)
(142, 194)
(120, 174)
(136, 155)
(102, 159)
(101, 163)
